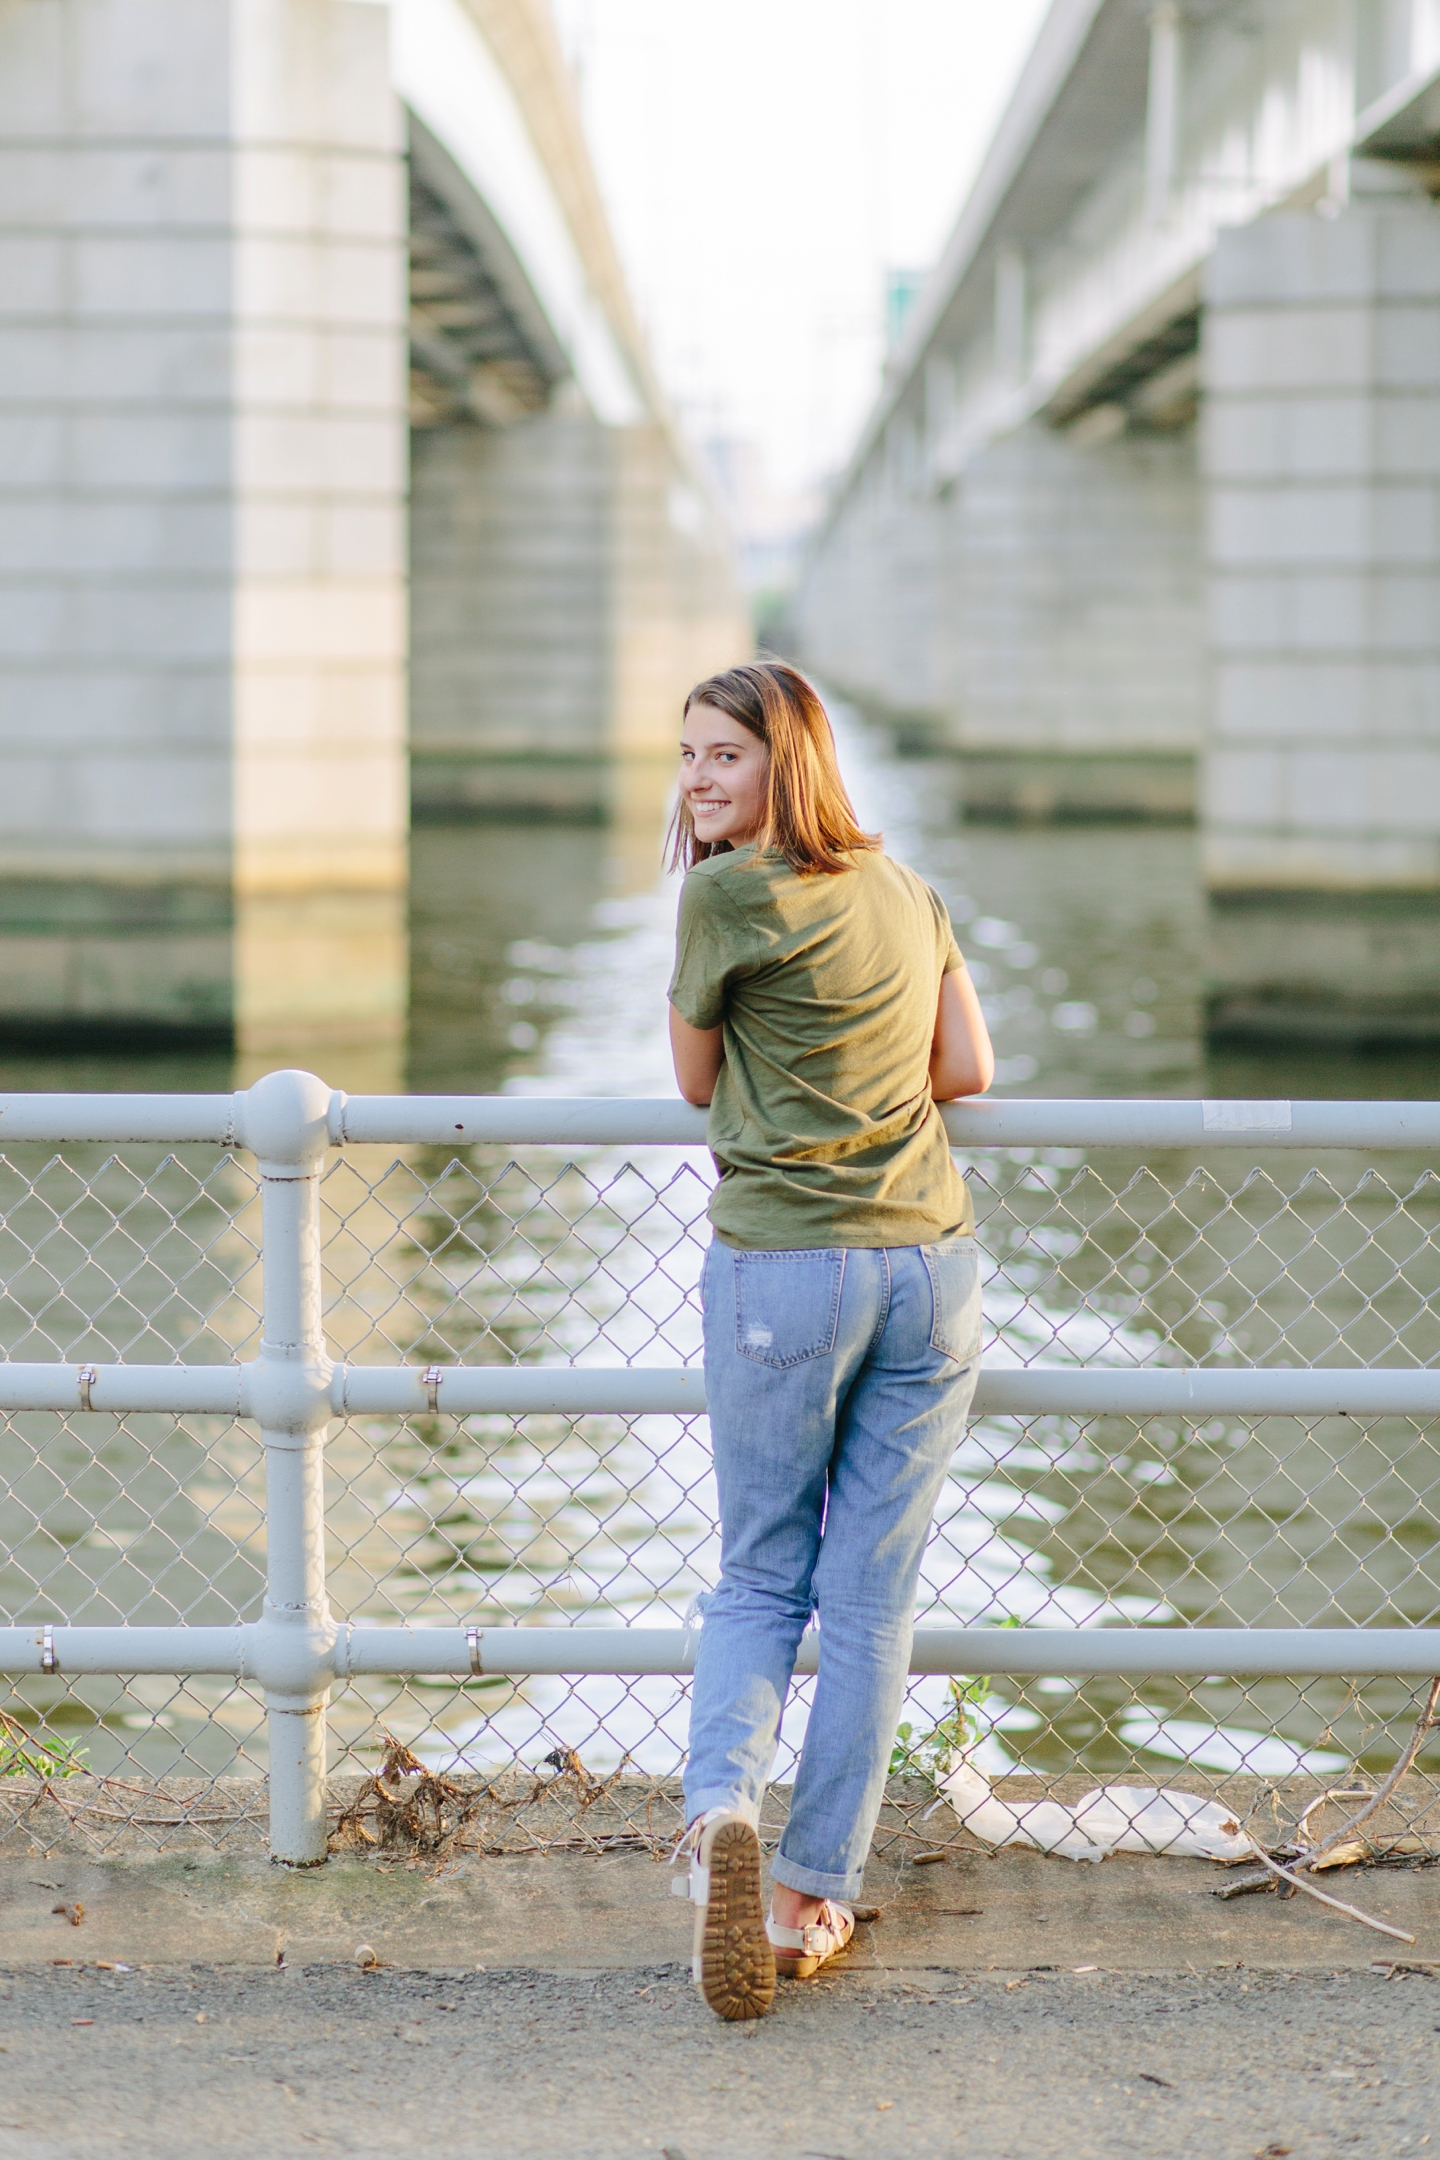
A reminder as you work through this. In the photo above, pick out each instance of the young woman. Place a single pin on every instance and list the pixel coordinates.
(820, 1008)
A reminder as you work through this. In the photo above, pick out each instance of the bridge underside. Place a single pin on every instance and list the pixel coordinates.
(567, 582)
(1147, 521)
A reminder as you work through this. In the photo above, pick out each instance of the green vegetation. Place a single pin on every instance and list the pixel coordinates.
(22, 1754)
(939, 1750)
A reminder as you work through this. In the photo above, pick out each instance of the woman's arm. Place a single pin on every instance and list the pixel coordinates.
(698, 1053)
(961, 1059)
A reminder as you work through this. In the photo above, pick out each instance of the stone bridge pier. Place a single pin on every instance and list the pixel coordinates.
(1320, 449)
(329, 446)
(203, 586)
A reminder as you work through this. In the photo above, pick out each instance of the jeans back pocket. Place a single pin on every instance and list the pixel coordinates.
(787, 1304)
(954, 1271)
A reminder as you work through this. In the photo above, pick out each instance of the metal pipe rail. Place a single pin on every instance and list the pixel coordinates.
(258, 1391)
(296, 1651)
(253, 1651)
(338, 1120)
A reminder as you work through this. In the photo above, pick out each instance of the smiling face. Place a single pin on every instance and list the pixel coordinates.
(723, 771)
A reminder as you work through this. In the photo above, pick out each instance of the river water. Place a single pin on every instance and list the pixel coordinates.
(1087, 942)
(540, 956)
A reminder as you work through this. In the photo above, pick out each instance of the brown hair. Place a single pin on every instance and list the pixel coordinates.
(808, 815)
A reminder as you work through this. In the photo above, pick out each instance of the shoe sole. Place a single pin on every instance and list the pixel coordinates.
(734, 1961)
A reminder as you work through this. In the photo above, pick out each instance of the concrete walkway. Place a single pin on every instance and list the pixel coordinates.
(559, 1912)
(541, 2007)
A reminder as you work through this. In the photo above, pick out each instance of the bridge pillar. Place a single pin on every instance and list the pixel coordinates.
(1037, 612)
(202, 786)
(510, 615)
(870, 617)
(1321, 428)
(569, 586)
(1072, 633)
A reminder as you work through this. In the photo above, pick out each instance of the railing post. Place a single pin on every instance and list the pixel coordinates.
(284, 1120)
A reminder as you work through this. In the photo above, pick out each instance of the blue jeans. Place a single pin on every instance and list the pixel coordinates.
(838, 1383)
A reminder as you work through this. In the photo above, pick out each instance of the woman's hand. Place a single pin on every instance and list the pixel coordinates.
(698, 1054)
(961, 1059)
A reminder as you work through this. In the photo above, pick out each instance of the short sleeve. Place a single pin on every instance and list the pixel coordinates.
(951, 957)
(708, 948)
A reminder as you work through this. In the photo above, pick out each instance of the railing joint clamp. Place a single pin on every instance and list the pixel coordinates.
(472, 1644)
(430, 1380)
(87, 1377)
(49, 1662)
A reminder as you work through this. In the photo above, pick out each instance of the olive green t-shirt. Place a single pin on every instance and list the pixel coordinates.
(822, 1126)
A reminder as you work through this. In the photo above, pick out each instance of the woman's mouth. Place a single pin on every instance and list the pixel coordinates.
(706, 809)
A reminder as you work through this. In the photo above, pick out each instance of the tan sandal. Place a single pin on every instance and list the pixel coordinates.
(800, 1952)
(733, 1963)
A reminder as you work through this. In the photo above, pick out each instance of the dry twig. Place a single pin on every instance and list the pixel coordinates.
(1373, 1803)
(1351, 1912)
(1383, 1791)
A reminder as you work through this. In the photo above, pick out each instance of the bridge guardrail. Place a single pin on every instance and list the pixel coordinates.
(476, 1294)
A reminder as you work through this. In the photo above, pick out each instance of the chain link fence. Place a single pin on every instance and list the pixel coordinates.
(480, 1257)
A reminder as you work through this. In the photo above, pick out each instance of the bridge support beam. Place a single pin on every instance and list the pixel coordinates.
(1321, 432)
(1071, 642)
(568, 588)
(510, 603)
(1038, 614)
(202, 784)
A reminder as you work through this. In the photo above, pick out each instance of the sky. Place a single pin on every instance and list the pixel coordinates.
(765, 163)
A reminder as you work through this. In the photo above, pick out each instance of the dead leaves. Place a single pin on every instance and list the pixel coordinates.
(406, 1808)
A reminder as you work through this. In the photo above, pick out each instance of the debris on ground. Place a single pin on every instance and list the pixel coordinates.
(407, 1808)
(1391, 1833)
(1112, 1818)
(406, 1805)
(1306, 1855)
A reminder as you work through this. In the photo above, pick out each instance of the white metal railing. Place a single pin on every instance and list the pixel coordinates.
(297, 1650)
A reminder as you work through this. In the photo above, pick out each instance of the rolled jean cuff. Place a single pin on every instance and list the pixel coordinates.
(811, 1883)
(722, 1796)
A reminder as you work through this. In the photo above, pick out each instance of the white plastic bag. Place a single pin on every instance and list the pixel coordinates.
(1113, 1818)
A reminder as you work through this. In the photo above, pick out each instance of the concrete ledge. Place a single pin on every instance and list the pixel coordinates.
(1052, 787)
(1099, 788)
(568, 1912)
(88, 1817)
(1353, 969)
(565, 1887)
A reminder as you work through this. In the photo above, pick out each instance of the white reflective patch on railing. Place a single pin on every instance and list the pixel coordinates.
(1247, 1117)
